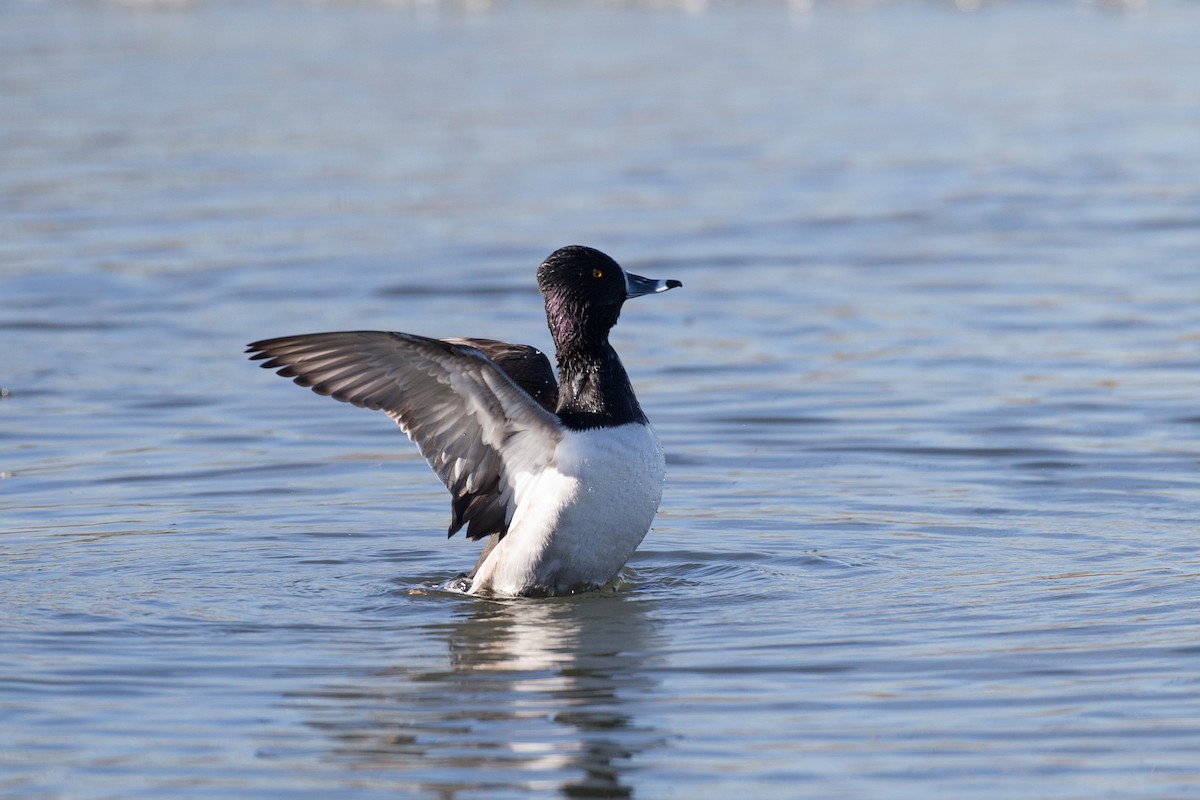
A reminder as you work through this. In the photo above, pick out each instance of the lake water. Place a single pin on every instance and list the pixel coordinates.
(930, 398)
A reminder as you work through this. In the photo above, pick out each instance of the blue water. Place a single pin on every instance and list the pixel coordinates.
(929, 398)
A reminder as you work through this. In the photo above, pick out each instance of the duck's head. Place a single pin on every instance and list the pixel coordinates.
(584, 291)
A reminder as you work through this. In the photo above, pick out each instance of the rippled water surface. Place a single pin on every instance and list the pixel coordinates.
(929, 398)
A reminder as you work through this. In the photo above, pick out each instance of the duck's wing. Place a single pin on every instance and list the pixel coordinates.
(475, 426)
(527, 366)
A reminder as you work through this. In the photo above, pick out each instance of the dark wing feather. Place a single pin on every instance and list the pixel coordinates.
(527, 366)
(465, 414)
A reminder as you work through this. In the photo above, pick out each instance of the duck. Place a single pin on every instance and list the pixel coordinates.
(560, 475)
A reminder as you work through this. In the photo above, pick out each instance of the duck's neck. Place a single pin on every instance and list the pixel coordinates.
(593, 388)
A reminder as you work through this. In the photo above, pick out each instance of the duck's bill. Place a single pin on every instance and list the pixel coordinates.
(636, 285)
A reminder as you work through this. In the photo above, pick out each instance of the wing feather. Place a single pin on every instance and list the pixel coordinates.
(470, 417)
(527, 366)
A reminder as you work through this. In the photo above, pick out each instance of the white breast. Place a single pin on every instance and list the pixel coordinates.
(578, 521)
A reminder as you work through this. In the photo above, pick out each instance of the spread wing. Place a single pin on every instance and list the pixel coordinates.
(475, 426)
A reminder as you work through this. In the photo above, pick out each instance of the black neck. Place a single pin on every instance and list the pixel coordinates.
(594, 390)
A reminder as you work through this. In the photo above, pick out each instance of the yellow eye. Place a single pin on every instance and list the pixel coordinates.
(596, 273)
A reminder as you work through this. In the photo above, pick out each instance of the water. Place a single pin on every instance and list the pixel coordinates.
(929, 399)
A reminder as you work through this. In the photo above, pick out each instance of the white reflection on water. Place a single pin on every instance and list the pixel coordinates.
(532, 697)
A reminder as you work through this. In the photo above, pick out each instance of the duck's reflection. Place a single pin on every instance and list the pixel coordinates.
(539, 696)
